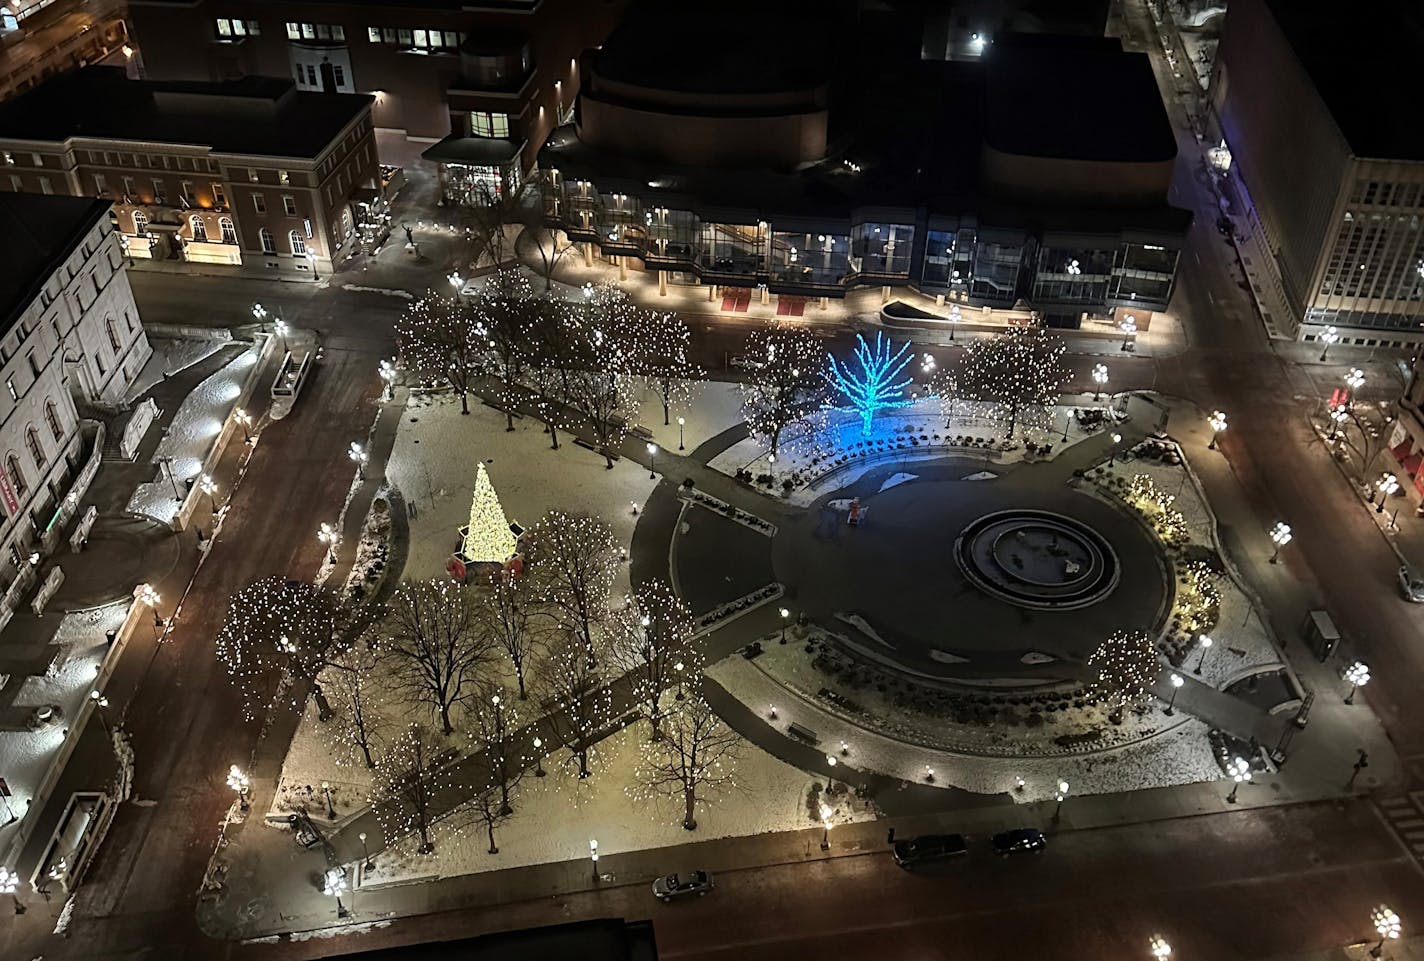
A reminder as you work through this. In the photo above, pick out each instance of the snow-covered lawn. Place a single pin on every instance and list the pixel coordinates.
(170, 355)
(1181, 754)
(78, 647)
(434, 459)
(190, 437)
(548, 825)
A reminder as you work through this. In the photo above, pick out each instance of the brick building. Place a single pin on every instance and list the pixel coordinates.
(252, 172)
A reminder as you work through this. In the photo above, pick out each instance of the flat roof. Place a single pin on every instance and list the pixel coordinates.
(603, 939)
(37, 234)
(1074, 98)
(266, 116)
(702, 46)
(1363, 58)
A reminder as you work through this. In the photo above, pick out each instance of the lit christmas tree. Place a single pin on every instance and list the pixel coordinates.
(487, 539)
(871, 386)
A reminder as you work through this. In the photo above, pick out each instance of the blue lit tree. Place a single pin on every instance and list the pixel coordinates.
(869, 383)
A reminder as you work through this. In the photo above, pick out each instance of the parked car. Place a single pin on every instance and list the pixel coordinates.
(1411, 584)
(682, 885)
(742, 362)
(1019, 841)
(927, 848)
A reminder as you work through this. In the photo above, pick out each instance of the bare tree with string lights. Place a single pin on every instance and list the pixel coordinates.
(694, 759)
(603, 358)
(573, 558)
(431, 648)
(444, 337)
(652, 642)
(786, 384)
(1125, 667)
(662, 358)
(553, 344)
(496, 725)
(1017, 375)
(504, 312)
(408, 779)
(278, 636)
(581, 706)
(358, 729)
(509, 615)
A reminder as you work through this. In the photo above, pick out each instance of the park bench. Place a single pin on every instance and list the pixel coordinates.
(802, 733)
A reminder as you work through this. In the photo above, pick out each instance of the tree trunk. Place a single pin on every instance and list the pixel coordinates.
(655, 720)
(425, 846)
(489, 826)
(554, 435)
(464, 401)
(445, 726)
(323, 706)
(519, 676)
(505, 809)
(689, 807)
(508, 400)
(582, 756)
(366, 751)
(666, 405)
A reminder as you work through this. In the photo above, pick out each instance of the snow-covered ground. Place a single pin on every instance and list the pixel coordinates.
(78, 648)
(768, 796)
(170, 355)
(433, 464)
(713, 407)
(1181, 754)
(190, 437)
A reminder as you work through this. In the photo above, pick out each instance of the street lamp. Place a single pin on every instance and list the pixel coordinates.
(238, 780)
(365, 851)
(1358, 675)
(593, 856)
(9, 884)
(388, 377)
(1338, 416)
(1239, 770)
(1205, 643)
(1129, 331)
(1112, 452)
(1161, 950)
(1354, 380)
(1100, 377)
(1176, 681)
(282, 328)
(954, 320)
(326, 793)
(1387, 485)
(260, 313)
(1330, 336)
(311, 259)
(1387, 926)
(785, 615)
(329, 536)
(1058, 796)
(457, 282)
(681, 423)
(358, 454)
(826, 813)
(539, 758)
(244, 419)
(927, 364)
(149, 596)
(334, 885)
(1280, 536)
(1217, 422)
(652, 460)
(101, 702)
(209, 487)
(831, 773)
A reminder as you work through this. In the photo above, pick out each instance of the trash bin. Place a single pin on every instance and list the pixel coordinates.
(1320, 634)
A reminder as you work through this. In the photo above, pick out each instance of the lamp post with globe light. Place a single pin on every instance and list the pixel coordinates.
(238, 780)
(1058, 796)
(1217, 422)
(1387, 485)
(365, 852)
(1387, 926)
(681, 423)
(1205, 643)
(1280, 536)
(244, 419)
(329, 536)
(311, 259)
(1176, 680)
(1100, 377)
(208, 486)
(1358, 675)
(1112, 451)
(388, 379)
(1354, 380)
(539, 758)
(652, 461)
(785, 616)
(826, 813)
(10, 884)
(149, 596)
(1129, 331)
(334, 885)
(1338, 416)
(281, 328)
(1161, 950)
(358, 454)
(1239, 770)
(1328, 337)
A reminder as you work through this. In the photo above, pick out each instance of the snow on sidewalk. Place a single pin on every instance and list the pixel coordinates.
(171, 355)
(190, 437)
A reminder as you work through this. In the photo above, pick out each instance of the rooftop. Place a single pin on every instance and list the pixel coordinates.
(1364, 61)
(254, 115)
(37, 234)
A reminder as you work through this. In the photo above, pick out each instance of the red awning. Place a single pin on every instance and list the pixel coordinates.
(1411, 463)
(1401, 450)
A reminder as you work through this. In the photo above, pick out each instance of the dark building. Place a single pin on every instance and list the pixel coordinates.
(998, 182)
(603, 939)
(249, 172)
(490, 79)
(1328, 144)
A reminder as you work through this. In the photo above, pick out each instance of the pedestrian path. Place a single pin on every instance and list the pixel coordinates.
(1404, 813)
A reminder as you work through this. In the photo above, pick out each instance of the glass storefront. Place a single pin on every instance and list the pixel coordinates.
(1072, 275)
(731, 248)
(882, 250)
(996, 272)
(1144, 273)
(813, 259)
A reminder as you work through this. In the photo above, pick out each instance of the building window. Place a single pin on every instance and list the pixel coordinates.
(251, 175)
(113, 331)
(140, 220)
(185, 191)
(158, 192)
(298, 242)
(283, 177)
(9, 158)
(17, 476)
(32, 441)
(45, 187)
(486, 124)
(373, 34)
(100, 184)
(269, 244)
(339, 73)
(16, 184)
(52, 419)
(128, 189)
(294, 31)
(10, 386)
(289, 205)
(128, 321)
(219, 195)
(229, 233)
(200, 229)
(259, 204)
(38, 160)
(34, 364)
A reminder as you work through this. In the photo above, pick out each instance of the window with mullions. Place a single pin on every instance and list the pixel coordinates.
(882, 249)
(486, 124)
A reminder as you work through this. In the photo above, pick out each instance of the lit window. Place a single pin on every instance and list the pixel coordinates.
(52, 419)
(259, 204)
(32, 441)
(486, 124)
(269, 245)
(308, 31)
(229, 233)
(294, 31)
(298, 242)
(224, 29)
(17, 477)
(289, 205)
(373, 34)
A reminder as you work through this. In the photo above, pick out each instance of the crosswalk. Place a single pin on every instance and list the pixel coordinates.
(1405, 815)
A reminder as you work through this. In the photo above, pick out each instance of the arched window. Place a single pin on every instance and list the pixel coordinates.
(113, 331)
(17, 476)
(32, 441)
(269, 244)
(52, 419)
(140, 220)
(299, 243)
(229, 234)
(200, 229)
